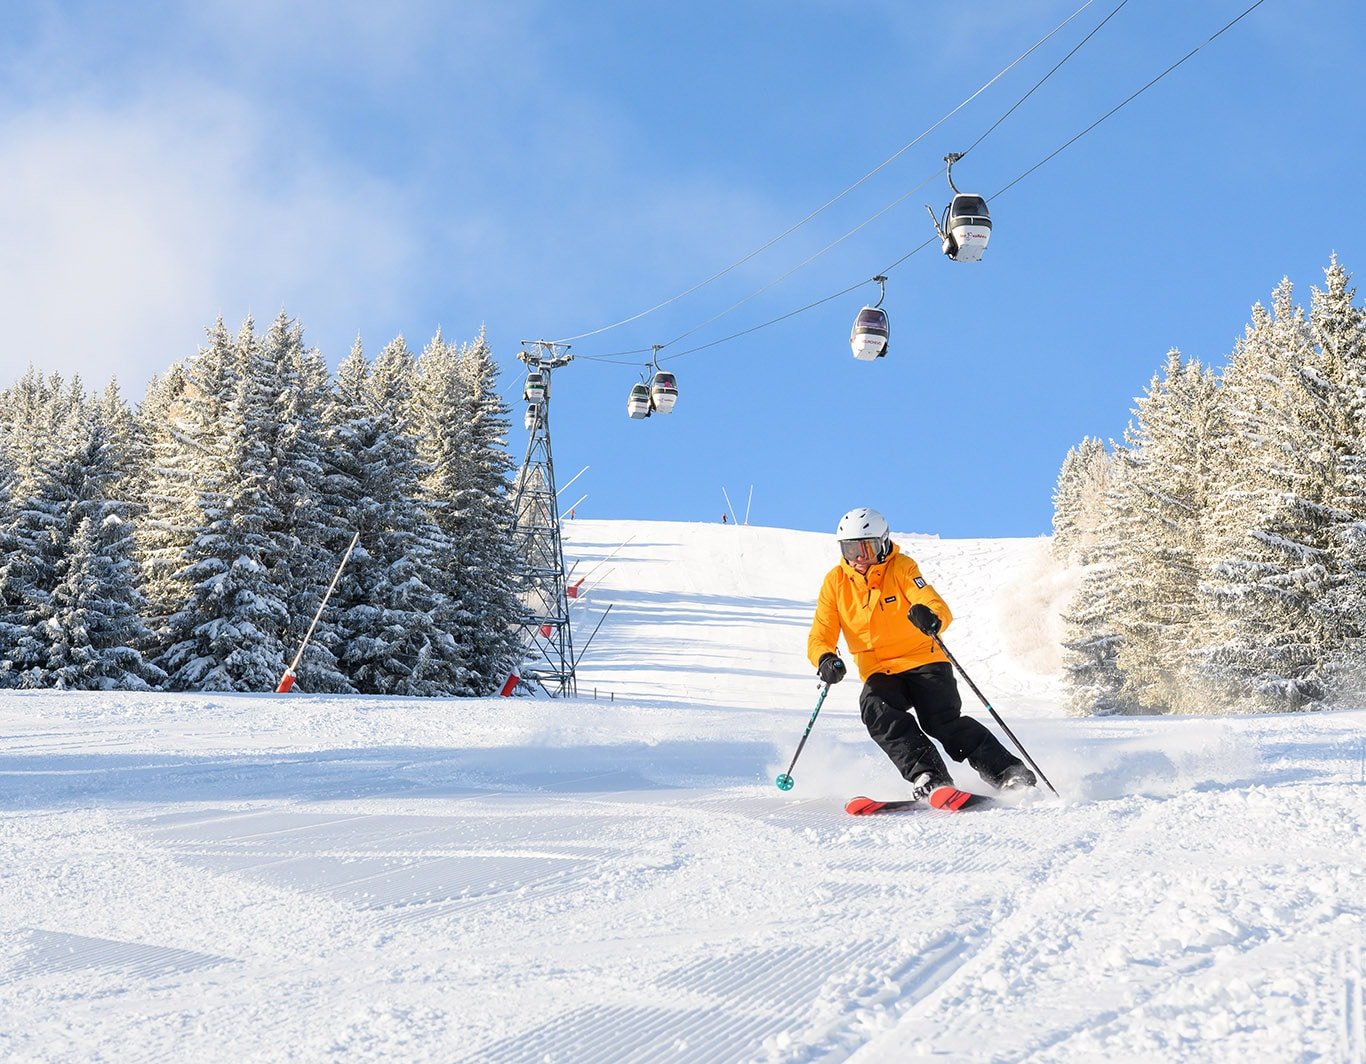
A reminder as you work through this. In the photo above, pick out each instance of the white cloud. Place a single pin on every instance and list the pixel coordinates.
(368, 171)
(127, 227)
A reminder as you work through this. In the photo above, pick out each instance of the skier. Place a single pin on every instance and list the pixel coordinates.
(888, 614)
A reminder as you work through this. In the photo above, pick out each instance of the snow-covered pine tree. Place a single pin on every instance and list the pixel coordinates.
(27, 409)
(94, 627)
(1267, 558)
(1065, 493)
(462, 433)
(484, 544)
(181, 423)
(438, 414)
(388, 619)
(1091, 641)
(42, 429)
(442, 438)
(290, 388)
(168, 508)
(1338, 327)
(21, 405)
(1079, 500)
(10, 597)
(227, 634)
(125, 445)
(346, 507)
(1165, 492)
(320, 666)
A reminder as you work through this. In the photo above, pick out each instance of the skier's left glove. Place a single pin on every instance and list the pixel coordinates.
(923, 618)
(831, 668)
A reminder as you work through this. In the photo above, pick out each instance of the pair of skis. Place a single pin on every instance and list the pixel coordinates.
(945, 799)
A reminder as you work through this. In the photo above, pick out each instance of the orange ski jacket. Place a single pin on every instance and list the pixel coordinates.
(871, 612)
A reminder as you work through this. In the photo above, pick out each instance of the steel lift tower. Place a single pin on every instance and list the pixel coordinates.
(546, 639)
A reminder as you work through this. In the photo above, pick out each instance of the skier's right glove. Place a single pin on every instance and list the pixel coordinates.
(923, 618)
(830, 668)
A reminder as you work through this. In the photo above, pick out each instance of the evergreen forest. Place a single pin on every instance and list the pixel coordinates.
(186, 543)
(1219, 550)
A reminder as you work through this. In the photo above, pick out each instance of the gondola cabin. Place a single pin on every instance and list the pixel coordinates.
(868, 338)
(638, 403)
(536, 387)
(533, 416)
(663, 391)
(966, 228)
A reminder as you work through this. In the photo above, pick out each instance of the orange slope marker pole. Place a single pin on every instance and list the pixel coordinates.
(287, 680)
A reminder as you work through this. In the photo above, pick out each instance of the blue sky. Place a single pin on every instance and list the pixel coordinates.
(544, 169)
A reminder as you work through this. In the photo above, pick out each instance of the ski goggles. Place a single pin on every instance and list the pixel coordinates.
(855, 549)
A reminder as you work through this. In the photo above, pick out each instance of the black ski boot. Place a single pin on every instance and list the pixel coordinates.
(926, 783)
(1016, 778)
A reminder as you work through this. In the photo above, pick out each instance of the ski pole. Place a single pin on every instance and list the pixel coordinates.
(994, 715)
(784, 781)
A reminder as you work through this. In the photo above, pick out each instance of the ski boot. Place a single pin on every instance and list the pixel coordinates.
(1016, 778)
(925, 784)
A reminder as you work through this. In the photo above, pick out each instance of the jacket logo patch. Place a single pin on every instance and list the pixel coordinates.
(890, 598)
(919, 581)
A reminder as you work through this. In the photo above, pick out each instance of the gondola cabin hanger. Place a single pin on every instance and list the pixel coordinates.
(965, 229)
(872, 329)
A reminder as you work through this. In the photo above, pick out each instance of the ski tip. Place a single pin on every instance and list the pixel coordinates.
(952, 799)
(862, 806)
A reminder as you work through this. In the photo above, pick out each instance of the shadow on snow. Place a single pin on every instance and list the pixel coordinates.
(48, 781)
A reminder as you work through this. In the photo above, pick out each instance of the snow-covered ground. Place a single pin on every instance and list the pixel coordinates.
(617, 879)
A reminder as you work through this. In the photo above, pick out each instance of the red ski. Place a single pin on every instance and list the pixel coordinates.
(945, 799)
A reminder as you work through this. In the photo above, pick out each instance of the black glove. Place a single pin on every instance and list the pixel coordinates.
(830, 668)
(923, 618)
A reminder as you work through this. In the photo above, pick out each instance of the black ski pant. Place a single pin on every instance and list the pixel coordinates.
(886, 704)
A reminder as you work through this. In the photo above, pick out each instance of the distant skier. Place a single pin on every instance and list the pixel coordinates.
(887, 612)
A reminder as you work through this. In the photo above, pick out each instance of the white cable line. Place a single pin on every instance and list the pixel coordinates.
(1038, 84)
(806, 262)
(613, 356)
(771, 321)
(1016, 181)
(1135, 95)
(835, 199)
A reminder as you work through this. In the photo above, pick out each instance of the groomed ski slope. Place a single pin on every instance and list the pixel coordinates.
(214, 877)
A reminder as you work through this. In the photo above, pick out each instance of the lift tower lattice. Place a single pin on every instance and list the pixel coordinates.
(546, 638)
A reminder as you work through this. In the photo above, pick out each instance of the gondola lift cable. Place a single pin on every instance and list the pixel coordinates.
(906, 195)
(996, 195)
(835, 199)
(1209, 40)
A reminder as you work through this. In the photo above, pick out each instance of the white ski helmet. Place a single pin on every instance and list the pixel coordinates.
(865, 524)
